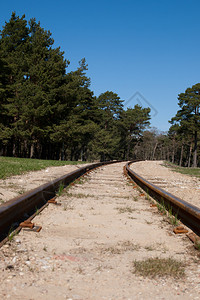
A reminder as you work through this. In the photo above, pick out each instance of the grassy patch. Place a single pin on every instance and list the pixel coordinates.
(159, 267)
(183, 170)
(14, 166)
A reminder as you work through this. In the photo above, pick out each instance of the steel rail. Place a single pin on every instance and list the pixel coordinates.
(21, 207)
(187, 213)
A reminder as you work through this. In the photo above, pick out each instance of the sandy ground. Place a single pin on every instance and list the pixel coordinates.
(19, 184)
(183, 186)
(87, 246)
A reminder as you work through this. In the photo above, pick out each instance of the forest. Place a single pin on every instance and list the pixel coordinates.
(49, 113)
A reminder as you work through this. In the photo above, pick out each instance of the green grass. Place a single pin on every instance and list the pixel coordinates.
(60, 189)
(14, 166)
(183, 170)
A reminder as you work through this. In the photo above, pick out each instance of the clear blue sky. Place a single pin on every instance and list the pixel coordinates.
(146, 46)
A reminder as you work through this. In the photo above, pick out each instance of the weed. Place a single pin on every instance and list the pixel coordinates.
(147, 197)
(79, 195)
(80, 270)
(126, 209)
(22, 191)
(122, 247)
(139, 190)
(172, 218)
(148, 222)
(60, 189)
(45, 248)
(30, 269)
(149, 248)
(113, 250)
(159, 267)
(161, 207)
(67, 206)
(197, 244)
(99, 268)
(124, 197)
(135, 198)
(11, 233)
(128, 183)
(129, 246)
(81, 180)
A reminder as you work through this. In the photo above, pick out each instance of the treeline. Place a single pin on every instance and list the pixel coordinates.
(156, 145)
(48, 113)
(181, 144)
(185, 129)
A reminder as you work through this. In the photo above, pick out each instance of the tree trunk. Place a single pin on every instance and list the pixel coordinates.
(189, 158)
(173, 151)
(181, 157)
(154, 150)
(32, 150)
(14, 149)
(195, 150)
(167, 153)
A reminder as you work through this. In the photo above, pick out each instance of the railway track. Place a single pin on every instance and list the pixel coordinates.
(21, 208)
(186, 212)
(88, 244)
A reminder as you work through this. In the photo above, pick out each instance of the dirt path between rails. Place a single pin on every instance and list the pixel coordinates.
(87, 246)
(183, 186)
(19, 184)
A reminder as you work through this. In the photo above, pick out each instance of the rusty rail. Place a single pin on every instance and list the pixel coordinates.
(20, 208)
(185, 212)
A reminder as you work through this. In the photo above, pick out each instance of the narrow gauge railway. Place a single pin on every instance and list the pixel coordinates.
(16, 210)
(90, 245)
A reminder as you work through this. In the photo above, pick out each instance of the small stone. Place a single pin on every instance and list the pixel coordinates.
(21, 273)
(14, 259)
(9, 267)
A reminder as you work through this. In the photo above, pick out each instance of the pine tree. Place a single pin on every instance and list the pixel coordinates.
(106, 142)
(36, 87)
(132, 123)
(188, 117)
